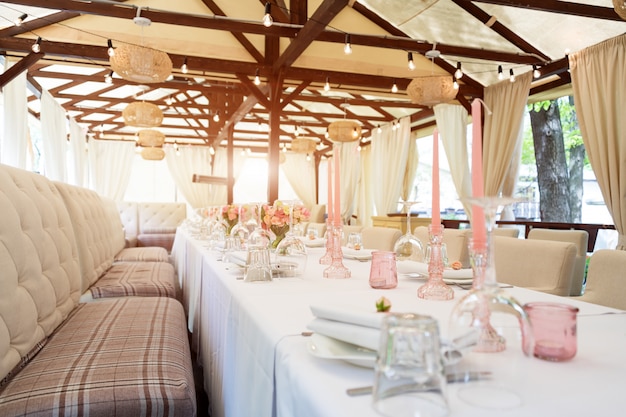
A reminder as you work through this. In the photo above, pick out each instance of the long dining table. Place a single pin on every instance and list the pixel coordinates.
(254, 344)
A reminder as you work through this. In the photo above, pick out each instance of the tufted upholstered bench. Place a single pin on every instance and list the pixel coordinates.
(118, 357)
(151, 224)
(107, 267)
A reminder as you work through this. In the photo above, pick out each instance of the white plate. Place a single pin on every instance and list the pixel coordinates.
(328, 348)
(359, 255)
(314, 243)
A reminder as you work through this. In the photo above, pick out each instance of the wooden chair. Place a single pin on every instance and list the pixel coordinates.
(606, 279)
(380, 238)
(580, 238)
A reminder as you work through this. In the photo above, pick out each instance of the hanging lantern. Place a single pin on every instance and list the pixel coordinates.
(304, 145)
(345, 130)
(150, 138)
(142, 114)
(431, 90)
(620, 8)
(140, 64)
(153, 154)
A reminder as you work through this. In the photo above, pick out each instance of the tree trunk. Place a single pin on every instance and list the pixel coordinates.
(576, 166)
(552, 173)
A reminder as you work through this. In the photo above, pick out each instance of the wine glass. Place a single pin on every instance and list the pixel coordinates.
(408, 246)
(259, 236)
(290, 255)
(484, 318)
(240, 229)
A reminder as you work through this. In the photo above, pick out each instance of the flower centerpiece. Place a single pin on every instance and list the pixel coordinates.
(230, 215)
(276, 218)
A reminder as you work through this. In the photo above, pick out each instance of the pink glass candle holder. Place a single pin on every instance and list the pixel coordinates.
(336, 269)
(327, 258)
(383, 274)
(554, 330)
(435, 288)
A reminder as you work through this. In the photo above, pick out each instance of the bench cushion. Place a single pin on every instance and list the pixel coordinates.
(124, 357)
(141, 254)
(143, 279)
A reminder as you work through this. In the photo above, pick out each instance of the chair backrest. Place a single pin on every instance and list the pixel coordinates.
(506, 232)
(541, 265)
(606, 279)
(350, 228)
(380, 238)
(456, 241)
(320, 227)
(318, 212)
(578, 237)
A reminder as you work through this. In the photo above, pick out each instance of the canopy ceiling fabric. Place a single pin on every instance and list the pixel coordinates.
(225, 44)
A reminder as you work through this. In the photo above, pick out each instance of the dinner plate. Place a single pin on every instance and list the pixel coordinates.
(314, 243)
(328, 348)
(359, 255)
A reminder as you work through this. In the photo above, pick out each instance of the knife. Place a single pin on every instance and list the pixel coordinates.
(450, 379)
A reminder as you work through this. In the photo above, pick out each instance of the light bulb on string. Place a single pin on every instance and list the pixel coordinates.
(257, 79)
(110, 49)
(459, 72)
(411, 63)
(267, 17)
(347, 48)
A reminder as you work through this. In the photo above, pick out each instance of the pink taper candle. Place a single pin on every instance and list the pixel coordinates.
(337, 201)
(436, 215)
(478, 225)
(329, 203)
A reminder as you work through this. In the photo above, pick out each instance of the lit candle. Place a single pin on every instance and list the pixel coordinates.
(337, 201)
(329, 203)
(436, 216)
(478, 225)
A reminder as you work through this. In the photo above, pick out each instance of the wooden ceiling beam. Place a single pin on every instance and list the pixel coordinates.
(19, 67)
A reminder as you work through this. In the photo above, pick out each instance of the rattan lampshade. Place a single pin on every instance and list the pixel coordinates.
(140, 64)
(620, 8)
(304, 145)
(142, 114)
(345, 130)
(150, 138)
(153, 154)
(431, 90)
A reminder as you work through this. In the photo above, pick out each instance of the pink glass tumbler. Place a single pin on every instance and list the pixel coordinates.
(383, 273)
(554, 330)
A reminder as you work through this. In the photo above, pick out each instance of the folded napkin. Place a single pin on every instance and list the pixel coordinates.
(408, 267)
(239, 257)
(314, 243)
(356, 254)
(352, 326)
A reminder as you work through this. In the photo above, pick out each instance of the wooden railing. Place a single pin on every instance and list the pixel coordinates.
(591, 228)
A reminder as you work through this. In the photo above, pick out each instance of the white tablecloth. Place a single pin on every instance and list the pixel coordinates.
(255, 359)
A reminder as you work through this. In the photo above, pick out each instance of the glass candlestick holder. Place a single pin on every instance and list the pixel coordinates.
(336, 269)
(327, 258)
(435, 288)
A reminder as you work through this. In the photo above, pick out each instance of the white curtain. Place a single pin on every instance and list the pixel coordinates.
(599, 84)
(301, 176)
(502, 139)
(15, 132)
(110, 165)
(77, 158)
(452, 125)
(349, 165)
(190, 160)
(365, 208)
(411, 168)
(54, 137)
(390, 149)
(220, 169)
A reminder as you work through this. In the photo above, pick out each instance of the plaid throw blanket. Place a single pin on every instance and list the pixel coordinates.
(144, 279)
(124, 357)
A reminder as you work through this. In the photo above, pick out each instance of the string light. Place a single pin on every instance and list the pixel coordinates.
(257, 79)
(20, 20)
(511, 76)
(111, 50)
(184, 68)
(455, 83)
(109, 78)
(411, 62)
(327, 85)
(308, 158)
(394, 87)
(347, 48)
(267, 17)
(37, 45)
(211, 150)
(500, 73)
(536, 72)
(379, 129)
(216, 117)
(459, 72)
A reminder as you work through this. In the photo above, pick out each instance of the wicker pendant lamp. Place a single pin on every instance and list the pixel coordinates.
(345, 130)
(620, 8)
(150, 138)
(432, 89)
(142, 114)
(304, 145)
(153, 154)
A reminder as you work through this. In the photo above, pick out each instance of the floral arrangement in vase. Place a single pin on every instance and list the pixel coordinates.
(231, 213)
(276, 218)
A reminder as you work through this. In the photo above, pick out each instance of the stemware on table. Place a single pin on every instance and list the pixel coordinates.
(290, 255)
(408, 246)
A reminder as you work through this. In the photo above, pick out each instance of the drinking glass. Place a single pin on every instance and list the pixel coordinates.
(554, 330)
(240, 229)
(258, 268)
(354, 241)
(408, 246)
(383, 274)
(409, 377)
(259, 236)
(290, 255)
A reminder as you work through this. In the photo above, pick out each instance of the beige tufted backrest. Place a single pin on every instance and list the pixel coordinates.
(39, 271)
(98, 241)
(160, 217)
(130, 221)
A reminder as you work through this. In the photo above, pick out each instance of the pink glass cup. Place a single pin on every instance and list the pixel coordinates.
(383, 273)
(554, 330)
